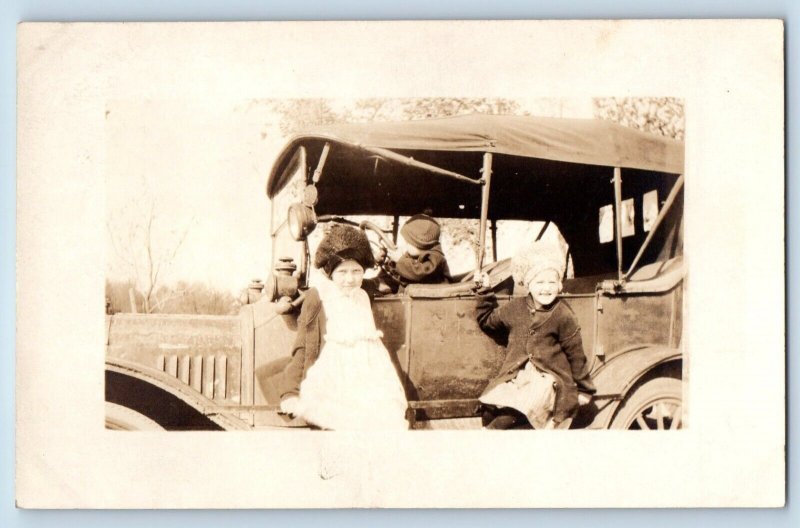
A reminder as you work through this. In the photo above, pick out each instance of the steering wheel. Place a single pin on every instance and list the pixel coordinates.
(384, 241)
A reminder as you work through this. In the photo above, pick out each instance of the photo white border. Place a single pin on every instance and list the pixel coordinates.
(700, 118)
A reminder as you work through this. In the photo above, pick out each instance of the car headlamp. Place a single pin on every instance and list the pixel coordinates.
(301, 220)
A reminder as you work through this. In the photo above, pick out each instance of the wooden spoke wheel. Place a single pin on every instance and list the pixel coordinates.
(655, 405)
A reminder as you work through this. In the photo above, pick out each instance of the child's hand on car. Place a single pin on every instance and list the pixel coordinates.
(483, 280)
(289, 405)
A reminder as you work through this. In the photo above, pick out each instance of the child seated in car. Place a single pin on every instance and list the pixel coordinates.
(419, 259)
(545, 366)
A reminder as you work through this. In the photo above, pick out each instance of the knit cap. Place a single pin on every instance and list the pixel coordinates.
(421, 231)
(342, 243)
(535, 258)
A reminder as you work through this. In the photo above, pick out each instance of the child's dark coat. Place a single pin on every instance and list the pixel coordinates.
(429, 267)
(550, 339)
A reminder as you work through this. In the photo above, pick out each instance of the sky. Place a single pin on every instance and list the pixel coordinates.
(204, 167)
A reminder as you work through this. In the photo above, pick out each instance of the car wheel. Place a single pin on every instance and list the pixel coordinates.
(119, 418)
(655, 405)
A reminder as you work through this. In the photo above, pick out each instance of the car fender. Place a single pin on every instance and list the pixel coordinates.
(617, 377)
(164, 399)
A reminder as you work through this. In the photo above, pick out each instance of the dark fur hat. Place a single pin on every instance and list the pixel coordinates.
(342, 243)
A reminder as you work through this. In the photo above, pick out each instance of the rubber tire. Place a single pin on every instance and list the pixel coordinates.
(646, 395)
(119, 418)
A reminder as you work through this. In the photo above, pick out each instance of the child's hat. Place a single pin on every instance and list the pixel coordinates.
(421, 231)
(536, 258)
(343, 242)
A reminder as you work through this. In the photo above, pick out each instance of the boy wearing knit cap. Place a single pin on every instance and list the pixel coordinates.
(423, 260)
(545, 366)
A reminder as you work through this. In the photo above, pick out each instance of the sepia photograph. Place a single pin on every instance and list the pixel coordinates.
(409, 264)
(484, 291)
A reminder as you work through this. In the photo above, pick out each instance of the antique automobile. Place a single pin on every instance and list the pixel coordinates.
(613, 194)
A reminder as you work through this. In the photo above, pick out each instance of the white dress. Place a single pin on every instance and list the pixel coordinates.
(353, 384)
(531, 392)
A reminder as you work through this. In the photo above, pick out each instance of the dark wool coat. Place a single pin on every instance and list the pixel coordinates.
(550, 338)
(429, 267)
(307, 345)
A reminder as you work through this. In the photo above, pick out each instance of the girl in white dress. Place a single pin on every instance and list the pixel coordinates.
(352, 384)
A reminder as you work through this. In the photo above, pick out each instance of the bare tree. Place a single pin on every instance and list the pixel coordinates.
(146, 247)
